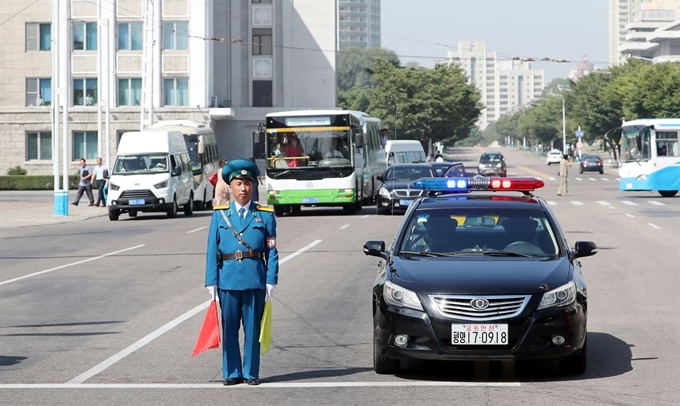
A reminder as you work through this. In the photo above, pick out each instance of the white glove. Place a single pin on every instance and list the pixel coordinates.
(270, 292)
(212, 289)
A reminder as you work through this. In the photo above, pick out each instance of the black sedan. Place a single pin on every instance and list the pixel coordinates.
(591, 163)
(441, 167)
(395, 193)
(483, 277)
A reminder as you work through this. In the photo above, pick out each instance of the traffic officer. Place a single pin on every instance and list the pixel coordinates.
(242, 268)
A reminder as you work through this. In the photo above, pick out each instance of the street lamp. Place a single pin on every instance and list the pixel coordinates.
(564, 126)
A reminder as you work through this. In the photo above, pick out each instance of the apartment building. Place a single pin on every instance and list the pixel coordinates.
(654, 34)
(358, 23)
(226, 63)
(504, 85)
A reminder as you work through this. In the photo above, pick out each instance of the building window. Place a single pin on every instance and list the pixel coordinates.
(39, 146)
(262, 1)
(84, 92)
(130, 92)
(85, 36)
(175, 35)
(38, 36)
(262, 93)
(262, 41)
(176, 92)
(130, 36)
(85, 145)
(38, 91)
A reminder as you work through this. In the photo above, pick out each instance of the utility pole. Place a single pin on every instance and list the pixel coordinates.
(60, 198)
(64, 50)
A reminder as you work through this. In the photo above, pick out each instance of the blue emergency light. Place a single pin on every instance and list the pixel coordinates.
(462, 184)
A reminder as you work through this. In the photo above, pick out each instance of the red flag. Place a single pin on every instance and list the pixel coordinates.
(209, 336)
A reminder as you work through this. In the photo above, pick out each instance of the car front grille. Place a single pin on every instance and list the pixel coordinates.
(407, 193)
(460, 307)
(137, 194)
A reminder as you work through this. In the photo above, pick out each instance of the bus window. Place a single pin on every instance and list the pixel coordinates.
(667, 143)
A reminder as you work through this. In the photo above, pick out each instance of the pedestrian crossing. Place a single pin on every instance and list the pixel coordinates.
(579, 179)
(605, 203)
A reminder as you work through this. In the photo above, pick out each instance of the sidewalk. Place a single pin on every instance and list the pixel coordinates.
(21, 212)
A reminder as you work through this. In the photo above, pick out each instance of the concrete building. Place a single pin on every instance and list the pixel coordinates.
(654, 35)
(504, 85)
(226, 63)
(359, 23)
(581, 69)
(621, 12)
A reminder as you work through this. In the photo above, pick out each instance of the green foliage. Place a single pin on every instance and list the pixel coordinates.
(17, 171)
(355, 66)
(34, 182)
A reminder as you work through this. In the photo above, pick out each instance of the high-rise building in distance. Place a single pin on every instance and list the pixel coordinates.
(358, 23)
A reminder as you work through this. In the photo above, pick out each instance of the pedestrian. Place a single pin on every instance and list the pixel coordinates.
(242, 269)
(383, 138)
(256, 189)
(85, 184)
(564, 176)
(101, 173)
(221, 188)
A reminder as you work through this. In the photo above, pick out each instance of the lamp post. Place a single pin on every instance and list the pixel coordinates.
(564, 127)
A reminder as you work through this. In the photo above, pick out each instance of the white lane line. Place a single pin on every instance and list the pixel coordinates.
(551, 178)
(655, 203)
(365, 216)
(264, 385)
(593, 179)
(605, 179)
(344, 227)
(654, 226)
(630, 215)
(578, 178)
(198, 229)
(576, 203)
(612, 207)
(628, 203)
(618, 178)
(552, 203)
(603, 203)
(167, 327)
(56, 268)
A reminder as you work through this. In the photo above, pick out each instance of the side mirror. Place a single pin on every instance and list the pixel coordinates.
(380, 178)
(176, 171)
(358, 138)
(584, 249)
(375, 249)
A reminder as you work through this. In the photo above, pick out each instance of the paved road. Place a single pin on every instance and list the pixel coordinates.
(108, 312)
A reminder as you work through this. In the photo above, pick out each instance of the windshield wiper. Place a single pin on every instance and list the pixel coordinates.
(426, 254)
(505, 254)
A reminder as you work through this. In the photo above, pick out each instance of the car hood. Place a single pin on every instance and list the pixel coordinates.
(406, 184)
(483, 276)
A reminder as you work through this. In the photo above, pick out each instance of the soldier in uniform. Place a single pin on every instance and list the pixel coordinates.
(242, 268)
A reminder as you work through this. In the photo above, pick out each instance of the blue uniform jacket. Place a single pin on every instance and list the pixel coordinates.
(259, 231)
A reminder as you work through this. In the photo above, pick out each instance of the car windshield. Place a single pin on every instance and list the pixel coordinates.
(474, 231)
(401, 173)
(140, 164)
(490, 157)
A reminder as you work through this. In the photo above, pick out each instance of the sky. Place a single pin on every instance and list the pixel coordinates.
(424, 30)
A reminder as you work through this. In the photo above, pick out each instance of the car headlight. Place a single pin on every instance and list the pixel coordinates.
(498, 165)
(113, 186)
(161, 185)
(565, 295)
(400, 297)
(384, 193)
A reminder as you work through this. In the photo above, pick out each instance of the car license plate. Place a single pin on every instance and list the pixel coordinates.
(404, 202)
(479, 334)
(310, 200)
(136, 202)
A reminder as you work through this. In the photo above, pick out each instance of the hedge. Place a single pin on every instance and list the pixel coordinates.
(35, 182)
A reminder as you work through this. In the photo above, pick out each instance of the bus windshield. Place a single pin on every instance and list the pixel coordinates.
(309, 149)
(635, 146)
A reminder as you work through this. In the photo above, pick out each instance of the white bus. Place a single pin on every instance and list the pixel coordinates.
(650, 156)
(322, 158)
(202, 146)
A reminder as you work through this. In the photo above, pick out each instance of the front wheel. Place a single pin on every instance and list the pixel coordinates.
(383, 365)
(173, 210)
(114, 214)
(575, 364)
(668, 193)
(189, 207)
(349, 208)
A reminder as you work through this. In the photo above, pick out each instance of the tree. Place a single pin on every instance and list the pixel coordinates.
(355, 65)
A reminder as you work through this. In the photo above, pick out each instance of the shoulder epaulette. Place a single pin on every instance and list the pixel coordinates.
(221, 207)
(265, 208)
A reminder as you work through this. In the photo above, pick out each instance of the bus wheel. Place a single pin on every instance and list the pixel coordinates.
(295, 209)
(278, 210)
(359, 204)
(668, 193)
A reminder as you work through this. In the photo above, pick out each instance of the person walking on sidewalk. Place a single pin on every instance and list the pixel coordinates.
(564, 176)
(101, 172)
(85, 184)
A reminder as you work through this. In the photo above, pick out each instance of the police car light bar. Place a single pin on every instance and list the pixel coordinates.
(461, 184)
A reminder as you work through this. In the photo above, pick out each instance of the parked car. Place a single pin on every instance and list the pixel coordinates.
(457, 169)
(591, 163)
(553, 157)
(492, 163)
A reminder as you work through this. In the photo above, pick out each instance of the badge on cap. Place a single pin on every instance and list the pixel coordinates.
(244, 172)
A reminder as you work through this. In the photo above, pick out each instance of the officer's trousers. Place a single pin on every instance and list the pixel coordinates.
(239, 306)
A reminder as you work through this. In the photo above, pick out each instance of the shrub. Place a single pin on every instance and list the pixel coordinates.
(34, 182)
(17, 170)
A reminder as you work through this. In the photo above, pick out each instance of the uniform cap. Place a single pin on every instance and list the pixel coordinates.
(239, 169)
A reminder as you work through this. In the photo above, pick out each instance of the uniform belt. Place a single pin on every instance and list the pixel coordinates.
(239, 255)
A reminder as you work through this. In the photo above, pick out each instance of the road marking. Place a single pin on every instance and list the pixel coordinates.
(628, 203)
(551, 178)
(344, 227)
(630, 215)
(593, 179)
(537, 173)
(578, 178)
(654, 226)
(618, 178)
(552, 203)
(612, 207)
(264, 385)
(655, 203)
(198, 229)
(71, 264)
(164, 329)
(603, 203)
(365, 217)
(576, 203)
(605, 179)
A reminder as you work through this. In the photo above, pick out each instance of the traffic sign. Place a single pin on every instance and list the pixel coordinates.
(579, 133)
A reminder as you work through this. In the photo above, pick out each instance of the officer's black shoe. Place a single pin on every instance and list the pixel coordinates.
(253, 382)
(232, 381)
(74, 203)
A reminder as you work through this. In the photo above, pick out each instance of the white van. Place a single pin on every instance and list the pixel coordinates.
(404, 152)
(152, 173)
